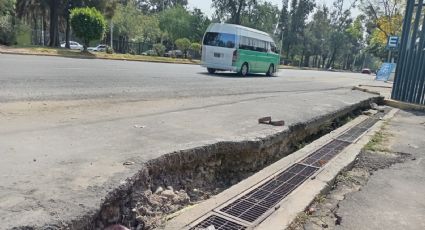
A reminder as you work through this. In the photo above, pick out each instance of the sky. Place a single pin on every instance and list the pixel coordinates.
(205, 5)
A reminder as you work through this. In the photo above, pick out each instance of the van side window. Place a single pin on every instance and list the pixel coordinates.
(253, 44)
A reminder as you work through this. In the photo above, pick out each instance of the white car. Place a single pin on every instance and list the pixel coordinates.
(73, 45)
(98, 48)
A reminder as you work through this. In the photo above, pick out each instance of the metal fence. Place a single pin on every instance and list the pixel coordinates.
(409, 84)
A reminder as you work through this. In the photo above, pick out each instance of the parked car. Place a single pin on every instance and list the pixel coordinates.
(174, 54)
(98, 48)
(149, 53)
(73, 45)
(366, 71)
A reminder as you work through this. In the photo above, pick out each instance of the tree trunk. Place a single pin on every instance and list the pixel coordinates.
(67, 31)
(54, 23)
(307, 60)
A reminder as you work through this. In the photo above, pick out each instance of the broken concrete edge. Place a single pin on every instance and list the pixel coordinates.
(180, 166)
(202, 210)
(303, 196)
(404, 105)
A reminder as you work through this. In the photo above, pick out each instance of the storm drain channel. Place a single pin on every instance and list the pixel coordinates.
(254, 206)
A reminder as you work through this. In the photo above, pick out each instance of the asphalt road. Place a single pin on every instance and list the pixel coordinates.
(68, 125)
(33, 78)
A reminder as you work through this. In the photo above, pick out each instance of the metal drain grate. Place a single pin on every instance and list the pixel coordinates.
(258, 201)
(323, 155)
(219, 223)
(357, 131)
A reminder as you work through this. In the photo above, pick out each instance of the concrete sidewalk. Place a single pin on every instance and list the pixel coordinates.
(394, 197)
(384, 189)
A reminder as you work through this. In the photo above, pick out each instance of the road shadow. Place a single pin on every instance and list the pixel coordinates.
(234, 75)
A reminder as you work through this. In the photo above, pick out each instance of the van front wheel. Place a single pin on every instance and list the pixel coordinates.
(244, 70)
(211, 70)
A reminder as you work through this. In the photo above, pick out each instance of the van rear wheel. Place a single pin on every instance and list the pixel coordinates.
(211, 70)
(244, 70)
(271, 70)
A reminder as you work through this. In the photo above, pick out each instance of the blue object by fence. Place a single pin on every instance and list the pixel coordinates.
(385, 71)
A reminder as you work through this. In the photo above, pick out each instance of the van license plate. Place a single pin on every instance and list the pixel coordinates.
(217, 55)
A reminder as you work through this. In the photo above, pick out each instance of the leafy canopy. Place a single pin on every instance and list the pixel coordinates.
(88, 24)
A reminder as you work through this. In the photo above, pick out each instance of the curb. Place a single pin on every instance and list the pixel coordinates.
(301, 199)
(297, 201)
(404, 105)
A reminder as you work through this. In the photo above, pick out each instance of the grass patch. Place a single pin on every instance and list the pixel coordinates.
(299, 221)
(379, 140)
(34, 50)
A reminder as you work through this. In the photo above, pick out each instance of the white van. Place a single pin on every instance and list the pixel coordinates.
(228, 47)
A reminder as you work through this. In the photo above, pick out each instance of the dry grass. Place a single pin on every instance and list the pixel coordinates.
(34, 50)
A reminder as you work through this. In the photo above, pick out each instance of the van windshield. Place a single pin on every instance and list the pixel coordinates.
(220, 39)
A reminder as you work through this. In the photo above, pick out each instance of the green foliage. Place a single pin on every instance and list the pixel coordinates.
(109, 50)
(176, 23)
(231, 10)
(198, 24)
(7, 27)
(183, 44)
(263, 16)
(88, 24)
(7, 32)
(7, 7)
(131, 24)
(159, 49)
(195, 47)
(23, 34)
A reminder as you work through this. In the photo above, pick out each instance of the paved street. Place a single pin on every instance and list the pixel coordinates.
(68, 125)
(53, 78)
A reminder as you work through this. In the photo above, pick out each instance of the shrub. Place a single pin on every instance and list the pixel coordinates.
(159, 49)
(183, 44)
(88, 24)
(109, 50)
(195, 49)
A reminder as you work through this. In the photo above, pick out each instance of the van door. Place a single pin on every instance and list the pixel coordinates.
(218, 49)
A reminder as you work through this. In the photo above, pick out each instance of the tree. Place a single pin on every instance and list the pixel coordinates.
(298, 17)
(155, 6)
(284, 24)
(198, 24)
(176, 23)
(88, 24)
(7, 14)
(231, 10)
(383, 18)
(183, 44)
(262, 16)
(195, 49)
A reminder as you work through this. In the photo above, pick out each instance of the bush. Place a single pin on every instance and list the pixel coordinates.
(109, 50)
(183, 44)
(195, 49)
(88, 24)
(159, 49)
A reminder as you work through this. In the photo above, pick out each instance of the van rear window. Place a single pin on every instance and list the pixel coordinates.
(220, 39)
